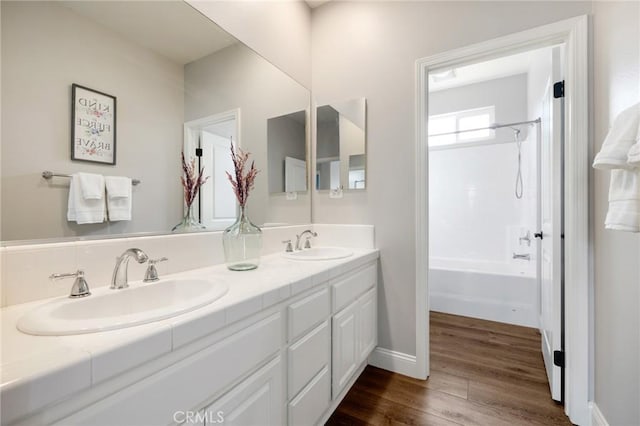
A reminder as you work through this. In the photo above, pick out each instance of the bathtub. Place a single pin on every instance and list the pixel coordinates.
(505, 292)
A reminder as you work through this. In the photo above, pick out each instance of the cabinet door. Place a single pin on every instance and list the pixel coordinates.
(367, 325)
(258, 400)
(344, 348)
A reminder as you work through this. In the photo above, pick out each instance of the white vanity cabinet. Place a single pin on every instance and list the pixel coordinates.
(287, 364)
(354, 326)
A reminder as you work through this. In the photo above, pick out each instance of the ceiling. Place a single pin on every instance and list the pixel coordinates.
(170, 28)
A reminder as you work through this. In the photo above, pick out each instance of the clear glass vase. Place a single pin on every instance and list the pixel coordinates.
(242, 243)
(189, 222)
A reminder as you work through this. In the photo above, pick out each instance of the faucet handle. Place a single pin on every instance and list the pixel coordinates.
(80, 286)
(152, 272)
(289, 247)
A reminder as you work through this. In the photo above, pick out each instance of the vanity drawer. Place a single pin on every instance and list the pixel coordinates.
(185, 384)
(307, 357)
(308, 312)
(312, 402)
(346, 290)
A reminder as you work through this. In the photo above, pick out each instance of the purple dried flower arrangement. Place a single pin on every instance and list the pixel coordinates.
(243, 182)
(191, 179)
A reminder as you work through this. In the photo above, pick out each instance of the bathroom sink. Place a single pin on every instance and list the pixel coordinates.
(320, 253)
(112, 309)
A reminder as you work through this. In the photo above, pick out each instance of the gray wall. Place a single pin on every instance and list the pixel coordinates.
(616, 84)
(376, 60)
(236, 77)
(379, 44)
(56, 48)
(279, 30)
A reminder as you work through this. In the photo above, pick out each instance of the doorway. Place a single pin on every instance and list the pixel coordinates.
(573, 34)
(488, 124)
(208, 140)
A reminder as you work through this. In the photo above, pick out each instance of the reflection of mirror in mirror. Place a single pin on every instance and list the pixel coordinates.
(167, 65)
(341, 145)
(287, 152)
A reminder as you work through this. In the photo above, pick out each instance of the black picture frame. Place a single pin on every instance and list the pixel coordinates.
(93, 125)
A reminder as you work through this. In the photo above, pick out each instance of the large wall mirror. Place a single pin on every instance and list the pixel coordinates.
(341, 145)
(180, 82)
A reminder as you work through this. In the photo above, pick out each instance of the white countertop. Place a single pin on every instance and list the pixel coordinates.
(39, 370)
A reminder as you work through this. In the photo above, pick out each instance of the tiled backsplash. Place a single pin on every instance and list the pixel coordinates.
(25, 269)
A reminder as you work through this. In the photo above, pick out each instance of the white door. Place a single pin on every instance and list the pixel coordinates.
(367, 323)
(295, 175)
(550, 239)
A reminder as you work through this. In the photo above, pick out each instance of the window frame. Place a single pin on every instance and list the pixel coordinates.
(461, 114)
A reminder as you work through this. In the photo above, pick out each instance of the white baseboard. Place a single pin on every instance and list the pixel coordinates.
(597, 418)
(396, 362)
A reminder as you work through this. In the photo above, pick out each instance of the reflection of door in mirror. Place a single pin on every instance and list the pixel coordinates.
(287, 152)
(213, 135)
(328, 148)
(356, 171)
(341, 145)
(295, 175)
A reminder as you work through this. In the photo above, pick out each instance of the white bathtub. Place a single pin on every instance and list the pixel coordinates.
(505, 292)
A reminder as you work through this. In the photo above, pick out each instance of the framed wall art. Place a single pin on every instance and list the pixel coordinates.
(93, 125)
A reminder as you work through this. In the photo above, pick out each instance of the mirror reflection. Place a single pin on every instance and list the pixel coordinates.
(341, 145)
(179, 81)
(287, 152)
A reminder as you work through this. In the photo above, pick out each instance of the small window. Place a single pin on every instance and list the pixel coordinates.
(443, 126)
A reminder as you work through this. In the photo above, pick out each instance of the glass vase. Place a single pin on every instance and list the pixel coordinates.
(189, 222)
(242, 243)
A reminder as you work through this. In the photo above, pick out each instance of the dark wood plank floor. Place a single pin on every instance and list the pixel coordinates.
(482, 373)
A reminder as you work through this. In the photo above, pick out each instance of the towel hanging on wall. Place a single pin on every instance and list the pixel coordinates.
(620, 153)
(86, 199)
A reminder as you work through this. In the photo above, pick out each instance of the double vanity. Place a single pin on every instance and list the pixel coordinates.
(278, 345)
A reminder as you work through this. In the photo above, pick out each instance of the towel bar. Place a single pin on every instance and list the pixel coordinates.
(48, 175)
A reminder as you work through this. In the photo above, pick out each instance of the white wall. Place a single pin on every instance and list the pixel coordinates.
(278, 30)
(379, 44)
(237, 77)
(616, 83)
(473, 211)
(45, 48)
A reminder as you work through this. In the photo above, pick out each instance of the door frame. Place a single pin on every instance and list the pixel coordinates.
(574, 33)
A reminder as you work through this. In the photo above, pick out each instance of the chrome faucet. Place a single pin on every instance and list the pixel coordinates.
(119, 279)
(299, 238)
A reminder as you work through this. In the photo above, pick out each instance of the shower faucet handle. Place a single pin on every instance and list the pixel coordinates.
(526, 238)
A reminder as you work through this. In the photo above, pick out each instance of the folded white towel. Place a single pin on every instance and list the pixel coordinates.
(633, 157)
(91, 185)
(624, 201)
(621, 136)
(119, 197)
(84, 210)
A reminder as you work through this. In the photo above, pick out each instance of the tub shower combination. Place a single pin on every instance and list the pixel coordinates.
(505, 291)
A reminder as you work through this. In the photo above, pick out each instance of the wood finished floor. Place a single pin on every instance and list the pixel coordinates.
(482, 373)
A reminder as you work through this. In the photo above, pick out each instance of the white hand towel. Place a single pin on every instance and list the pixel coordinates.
(119, 197)
(81, 209)
(624, 201)
(633, 158)
(91, 185)
(621, 136)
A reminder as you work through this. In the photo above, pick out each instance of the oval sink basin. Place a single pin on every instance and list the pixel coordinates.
(113, 309)
(320, 253)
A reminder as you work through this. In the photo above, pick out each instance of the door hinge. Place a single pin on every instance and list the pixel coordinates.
(558, 89)
(558, 358)
(198, 152)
